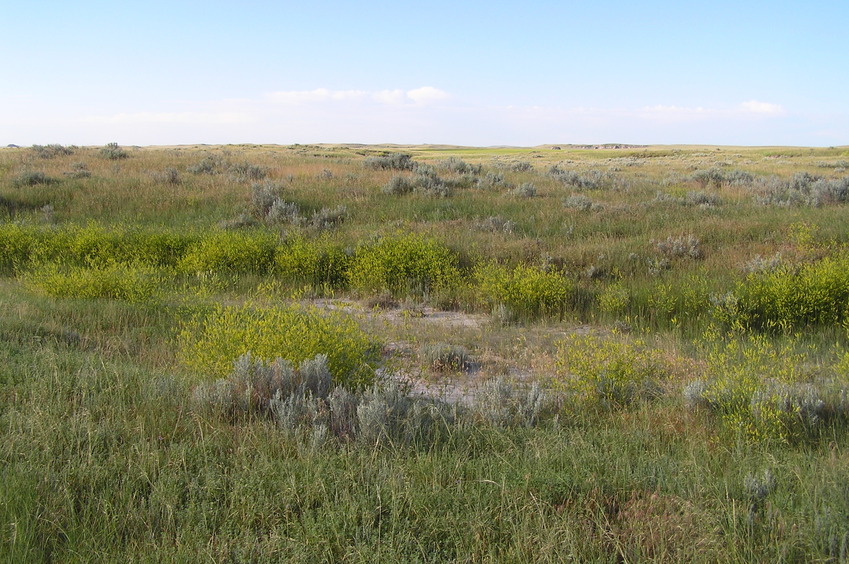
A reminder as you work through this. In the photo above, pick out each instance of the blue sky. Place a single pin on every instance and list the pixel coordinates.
(471, 73)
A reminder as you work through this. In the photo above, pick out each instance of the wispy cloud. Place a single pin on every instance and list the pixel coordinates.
(418, 96)
(762, 108)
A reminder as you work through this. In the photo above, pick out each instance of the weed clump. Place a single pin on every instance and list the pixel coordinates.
(210, 343)
(404, 265)
(524, 292)
(229, 251)
(443, 357)
(608, 373)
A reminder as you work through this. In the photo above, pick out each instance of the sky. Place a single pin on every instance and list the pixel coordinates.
(90, 72)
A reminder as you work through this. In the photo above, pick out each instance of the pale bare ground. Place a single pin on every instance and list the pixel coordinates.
(520, 354)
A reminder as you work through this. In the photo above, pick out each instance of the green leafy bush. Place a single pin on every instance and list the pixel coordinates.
(790, 297)
(754, 386)
(608, 373)
(230, 251)
(404, 265)
(527, 292)
(119, 281)
(316, 263)
(210, 343)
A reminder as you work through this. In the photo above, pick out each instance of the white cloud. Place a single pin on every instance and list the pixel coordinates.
(762, 108)
(419, 96)
(427, 94)
(317, 95)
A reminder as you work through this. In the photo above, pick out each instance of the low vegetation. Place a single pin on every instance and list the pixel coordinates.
(353, 353)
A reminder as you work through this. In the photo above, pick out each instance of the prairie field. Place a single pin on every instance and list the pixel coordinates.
(360, 353)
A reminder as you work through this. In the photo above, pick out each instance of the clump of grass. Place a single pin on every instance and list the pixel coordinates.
(210, 343)
(168, 176)
(78, 170)
(444, 357)
(113, 152)
(495, 224)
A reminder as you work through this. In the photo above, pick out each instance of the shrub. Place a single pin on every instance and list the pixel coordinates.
(788, 297)
(524, 190)
(16, 244)
(495, 224)
(229, 251)
(209, 165)
(404, 265)
(390, 161)
(458, 166)
(504, 403)
(210, 343)
(316, 263)
(119, 281)
(32, 179)
(51, 151)
(113, 152)
(328, 218)
(579, 202)
(258, 387)
(526, 292)
(680, 247)
(756, 390)
(607, 373)
(399, 185)
(245, 172)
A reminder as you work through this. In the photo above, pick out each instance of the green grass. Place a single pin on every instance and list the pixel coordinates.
(716, 431)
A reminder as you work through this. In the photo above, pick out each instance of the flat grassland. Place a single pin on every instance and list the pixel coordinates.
(424, 353)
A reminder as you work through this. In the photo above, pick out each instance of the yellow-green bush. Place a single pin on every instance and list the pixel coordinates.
(319, 264)
(404, 265)
(608, 373)
(119, 281)
(229, 251)
(526, 292)
(16, 242)
(755, 388)
(210, 343)
(790, 297)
